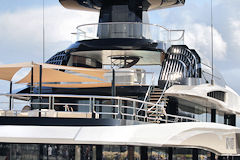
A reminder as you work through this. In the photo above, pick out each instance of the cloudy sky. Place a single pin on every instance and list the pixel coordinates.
(21, 31)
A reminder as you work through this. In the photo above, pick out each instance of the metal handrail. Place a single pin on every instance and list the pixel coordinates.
(181, 37)
(160, 98)
(148, 92)
(80, 30)
(106, 23)
(77, 96)
(119, 110)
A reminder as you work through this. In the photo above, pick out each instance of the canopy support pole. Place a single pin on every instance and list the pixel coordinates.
(113, 91)
(113, 84)
(40, 89)
(10, 98)
(40, 79)
(31, 88)
(31, 84)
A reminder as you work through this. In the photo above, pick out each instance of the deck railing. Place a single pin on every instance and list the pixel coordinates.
(86, 106)
(134, 30)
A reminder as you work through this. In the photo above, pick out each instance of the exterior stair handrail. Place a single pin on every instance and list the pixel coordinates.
(147, 93)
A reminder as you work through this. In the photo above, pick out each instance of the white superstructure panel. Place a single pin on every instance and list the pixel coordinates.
(198, 95)
(219, 138)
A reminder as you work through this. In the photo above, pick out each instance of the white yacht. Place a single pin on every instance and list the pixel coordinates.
(125, 90)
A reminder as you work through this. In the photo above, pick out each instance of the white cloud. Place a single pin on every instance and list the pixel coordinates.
(22, 31)
(198, 36)
(235, 32)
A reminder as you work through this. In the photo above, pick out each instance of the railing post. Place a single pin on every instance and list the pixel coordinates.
(134, 111)
(146, 113)
(31, 88)
(92, 106)
(113, 92)
(120, 108)
(53, 99)
(12, 103)
(10, 97)
(40, 89)
(49, 102)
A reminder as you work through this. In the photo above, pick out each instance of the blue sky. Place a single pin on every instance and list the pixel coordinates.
(21, 30)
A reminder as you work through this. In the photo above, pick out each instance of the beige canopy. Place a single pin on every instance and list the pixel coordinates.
(88, 71)
(56, 73)
(8, 71)
(51, 75)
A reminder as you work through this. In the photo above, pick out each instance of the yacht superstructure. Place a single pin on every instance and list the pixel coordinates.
(100, 98)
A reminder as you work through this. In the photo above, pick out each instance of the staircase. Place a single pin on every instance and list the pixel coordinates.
(153, 98)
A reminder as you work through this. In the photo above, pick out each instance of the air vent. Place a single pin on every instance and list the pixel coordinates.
(220, 95)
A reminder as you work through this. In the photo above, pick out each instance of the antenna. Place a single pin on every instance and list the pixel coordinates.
(43, 31)
(212, 80)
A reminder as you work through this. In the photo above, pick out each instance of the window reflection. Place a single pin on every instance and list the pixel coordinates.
(115, 152)
(182, 154)
(219, 117)
(157, 153)
(238, 121)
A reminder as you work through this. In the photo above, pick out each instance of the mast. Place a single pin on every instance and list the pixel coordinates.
(212, 51)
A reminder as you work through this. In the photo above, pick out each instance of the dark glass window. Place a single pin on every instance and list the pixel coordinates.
(57, 58)
(79, 61)
(92, 152)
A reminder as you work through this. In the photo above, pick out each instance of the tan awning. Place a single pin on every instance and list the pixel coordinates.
(51, 75)
(7, 71)
(88, 71)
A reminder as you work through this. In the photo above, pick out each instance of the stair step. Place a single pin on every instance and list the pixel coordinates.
(149, 106)
(156, 96)
(154, 114)
(157, 89)
(156, 99)
(157, 93)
